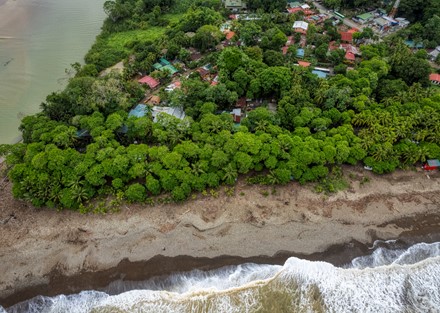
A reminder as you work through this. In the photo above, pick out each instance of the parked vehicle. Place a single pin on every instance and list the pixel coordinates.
(431, 165)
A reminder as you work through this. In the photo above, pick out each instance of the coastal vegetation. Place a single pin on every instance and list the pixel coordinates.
(381, 113)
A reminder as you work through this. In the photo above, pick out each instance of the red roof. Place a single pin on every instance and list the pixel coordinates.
(308, 12)
(332, 46)
(434, 77)
(346, 36)
(233, 17)
(293, 10)
(150, 81)
(352, 30)
(350, 56)
(284, 49)
(304, 63)
(229, 35)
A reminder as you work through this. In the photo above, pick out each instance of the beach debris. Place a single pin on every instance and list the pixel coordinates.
(10, 217)
(7, 62)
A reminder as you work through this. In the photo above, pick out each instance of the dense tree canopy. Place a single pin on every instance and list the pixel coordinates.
(83, 144)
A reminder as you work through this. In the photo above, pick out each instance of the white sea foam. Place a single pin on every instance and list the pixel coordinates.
(403, 280)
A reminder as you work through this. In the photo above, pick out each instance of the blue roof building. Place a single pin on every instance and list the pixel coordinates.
(300, 53)
(139, 111)
(320, 73)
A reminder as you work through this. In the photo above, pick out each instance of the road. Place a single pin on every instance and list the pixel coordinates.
(346, 21)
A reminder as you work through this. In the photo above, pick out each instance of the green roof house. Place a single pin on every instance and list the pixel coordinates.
(365, 18)
(235, 4)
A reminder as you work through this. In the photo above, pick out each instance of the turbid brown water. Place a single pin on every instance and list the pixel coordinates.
(39, 39)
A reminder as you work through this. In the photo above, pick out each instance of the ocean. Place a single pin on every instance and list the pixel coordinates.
(391, 279)
(39, 39)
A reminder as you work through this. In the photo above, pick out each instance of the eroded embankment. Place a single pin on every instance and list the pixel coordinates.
(44, 252)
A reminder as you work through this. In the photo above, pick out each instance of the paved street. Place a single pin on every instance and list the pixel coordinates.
(346, 21)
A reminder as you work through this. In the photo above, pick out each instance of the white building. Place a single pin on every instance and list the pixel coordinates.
(434, 54)
(300, 27)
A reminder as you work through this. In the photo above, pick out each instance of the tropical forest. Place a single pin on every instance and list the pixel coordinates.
(248, 108)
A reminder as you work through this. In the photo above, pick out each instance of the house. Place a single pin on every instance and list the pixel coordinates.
(229, 34)
(304, 63)
(294, 4)
(176, 112)
(435, 79)
(154, 100)
(235, 5)
(346, 36)
(171, 69)
(150, 81)
(214, 82)
(117, 68)
(293, 10)
(300, 27)
(381, 23)
(172, 86)
(139, 111)
(332, 46)
(320, 74)
(349, 56)
(195, 55)
(300, 53)
(241, 102)
(203, 72)
(284, 50)
(414, 45)
(350, 52)
(364, 18)
(434, 53)
(236, 115)
(225, 26)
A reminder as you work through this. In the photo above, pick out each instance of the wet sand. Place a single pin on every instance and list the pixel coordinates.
(44, 252)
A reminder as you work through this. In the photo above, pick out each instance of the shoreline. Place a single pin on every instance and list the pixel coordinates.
(41, 248)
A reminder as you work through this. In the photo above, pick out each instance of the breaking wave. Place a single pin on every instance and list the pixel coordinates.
(391, 279)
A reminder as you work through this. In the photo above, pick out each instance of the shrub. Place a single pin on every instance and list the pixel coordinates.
(135, 193)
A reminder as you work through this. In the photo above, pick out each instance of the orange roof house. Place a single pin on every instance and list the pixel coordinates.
(293, 10)
(150, 81)
(304, 63)
(435, 79)
(346, 36)
(229, 35)
(350, 56)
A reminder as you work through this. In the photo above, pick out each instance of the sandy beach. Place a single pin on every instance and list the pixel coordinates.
(47, 252)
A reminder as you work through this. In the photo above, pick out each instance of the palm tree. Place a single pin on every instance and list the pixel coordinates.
(197, 168)
(261, 125)
(79, 194)
(272, 179)
(387, 101)
(384, 118)
(381, 152)
(231, 174)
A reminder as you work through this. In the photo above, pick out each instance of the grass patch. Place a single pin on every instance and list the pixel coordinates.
(334, 182)
(173, 18)
(120, 40)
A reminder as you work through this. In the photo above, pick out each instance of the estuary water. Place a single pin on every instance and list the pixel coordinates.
(39, 39)
(389, 280)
